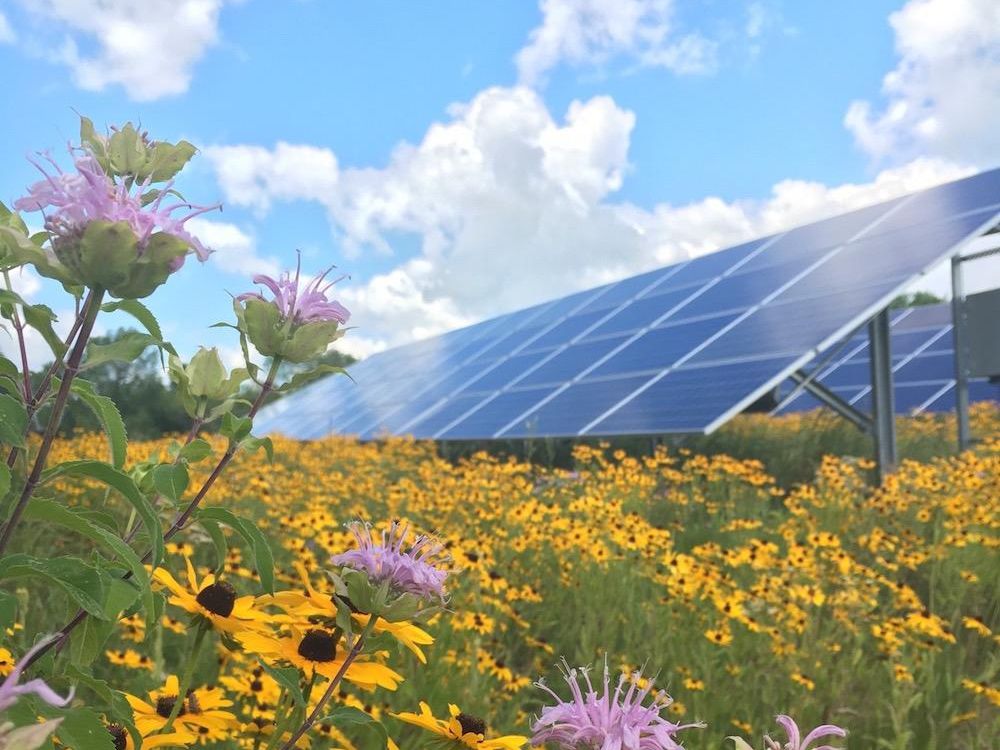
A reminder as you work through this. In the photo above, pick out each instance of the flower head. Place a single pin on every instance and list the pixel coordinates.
(415, 569)
(301, 304)
(10, 691)
(201, 714)
(795, 739)
(460, 729)
(89, 194)
(215, 601)
(615, 720)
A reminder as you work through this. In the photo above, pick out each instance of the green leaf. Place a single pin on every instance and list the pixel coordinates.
(83, 583)
(171, 480)
(112, 701)
(8, 607)
(110, 418)
(82, 728)
(4, 479)
(11, 219)
(219, 541)
(53, 512)
(168, 159)
(41, 318)
(252, 444)
(263, 558)
(195, 451)
(144, 316)
(125, 348)
(288, 678)
(348, 715)
(13, 421)
(235, 428)
(125, 485)
(127, 151)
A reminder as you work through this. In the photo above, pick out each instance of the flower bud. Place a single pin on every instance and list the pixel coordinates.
(298, 324)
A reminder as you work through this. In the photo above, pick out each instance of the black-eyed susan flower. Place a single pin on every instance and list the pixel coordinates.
(319, 650)
(201, 712)
(215, 601)
(122, 740)
(459, 729)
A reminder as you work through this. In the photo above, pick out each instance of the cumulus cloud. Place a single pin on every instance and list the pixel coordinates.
(513, 205)
(7, 35)
(593, 32)
(943, 96)
(149, 47)
(234, 251)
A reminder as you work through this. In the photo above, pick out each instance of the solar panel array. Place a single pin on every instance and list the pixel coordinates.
(675, 350)
(923, 365)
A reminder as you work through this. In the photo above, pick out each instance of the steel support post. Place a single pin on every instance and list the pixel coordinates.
(958, 319)
(883, 401)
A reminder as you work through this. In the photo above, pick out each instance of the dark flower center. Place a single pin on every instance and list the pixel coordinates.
(472, 724)
(218, 598)
(165, 706)
(117, 732)
(318, 645)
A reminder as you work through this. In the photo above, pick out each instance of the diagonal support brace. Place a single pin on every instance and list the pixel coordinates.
(827, 397)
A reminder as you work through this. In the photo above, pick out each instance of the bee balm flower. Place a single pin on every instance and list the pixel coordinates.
(414, 571)
(298, 323)
(616, 720)
(110, 233)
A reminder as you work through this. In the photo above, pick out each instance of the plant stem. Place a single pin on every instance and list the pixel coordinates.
(19, 328)
(328, 694)
(34, 400)
(91, 310)
(178, 523)
(185, 681)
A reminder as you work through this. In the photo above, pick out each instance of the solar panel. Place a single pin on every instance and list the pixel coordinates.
(678, 349)
(923, 368)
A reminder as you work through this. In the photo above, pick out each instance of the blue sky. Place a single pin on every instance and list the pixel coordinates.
(462, 159)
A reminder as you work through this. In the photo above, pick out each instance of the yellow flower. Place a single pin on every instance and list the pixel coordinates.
(216, 601)
(200, 715)
(317, 650)
(460, 728)
(130, 658)
(6, 662)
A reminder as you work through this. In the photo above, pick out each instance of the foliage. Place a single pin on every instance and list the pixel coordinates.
(915, 299)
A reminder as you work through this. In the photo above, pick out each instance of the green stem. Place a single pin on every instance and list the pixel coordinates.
(185, 681)
(331, 688)
(91, 310)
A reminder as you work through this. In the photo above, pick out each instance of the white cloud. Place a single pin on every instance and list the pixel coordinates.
(513, 206)
(943, 96)
(593, 32)
(149, 47)
(234, 251)
(254, 176)
(7, 35)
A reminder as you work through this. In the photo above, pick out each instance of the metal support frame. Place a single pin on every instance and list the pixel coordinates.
(824, 395)
(958, 316)
(883, 396)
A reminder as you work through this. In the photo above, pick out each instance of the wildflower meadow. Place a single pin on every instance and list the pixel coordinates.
(224, 589)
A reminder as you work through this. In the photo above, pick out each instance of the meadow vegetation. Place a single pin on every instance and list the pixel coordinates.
(871, 608)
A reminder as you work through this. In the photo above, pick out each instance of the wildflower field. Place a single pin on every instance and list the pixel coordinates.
(873, 609)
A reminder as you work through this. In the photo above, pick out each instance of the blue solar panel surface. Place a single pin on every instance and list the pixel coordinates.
(678, 349)
(923, 365)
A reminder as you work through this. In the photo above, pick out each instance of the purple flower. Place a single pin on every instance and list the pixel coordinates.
(417, 570)
(10, 690)
(795, 739)
(610, 721)
(89, 194)
(306, 305)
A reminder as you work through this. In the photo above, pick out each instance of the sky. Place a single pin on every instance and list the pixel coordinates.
(458, 160)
